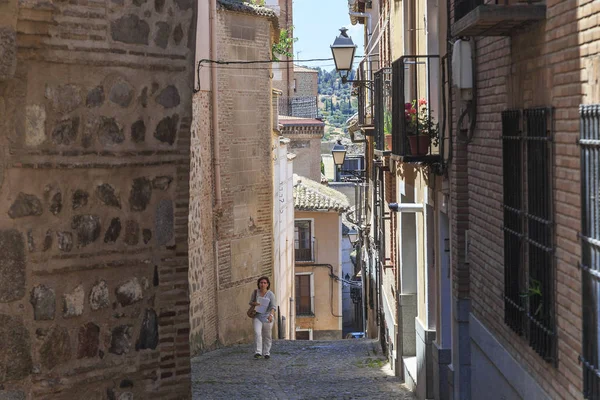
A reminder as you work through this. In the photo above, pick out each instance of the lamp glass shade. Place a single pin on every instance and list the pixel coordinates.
(353, 236)
(339, 153)
(343, 49)
(343, 57)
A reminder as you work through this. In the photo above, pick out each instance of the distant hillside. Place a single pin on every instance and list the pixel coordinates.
(335, 103)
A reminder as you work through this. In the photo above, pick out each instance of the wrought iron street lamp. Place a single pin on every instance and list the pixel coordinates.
(339, 154)
(343, 49)
(353, 236)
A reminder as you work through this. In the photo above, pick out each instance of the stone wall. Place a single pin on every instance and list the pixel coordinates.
(305, 143)
(307, 83)
(96, 111)
(244, 228)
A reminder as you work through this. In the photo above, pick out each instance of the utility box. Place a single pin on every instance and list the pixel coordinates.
(462, 68)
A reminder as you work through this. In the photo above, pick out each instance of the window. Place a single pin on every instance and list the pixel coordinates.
(529, 289)
(590, 247)
(303, 240)
(304, 294)
(303, 334)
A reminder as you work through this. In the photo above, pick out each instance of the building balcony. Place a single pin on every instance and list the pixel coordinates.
(301, 107)
(382, 111)
(416, 135)
(501, 18)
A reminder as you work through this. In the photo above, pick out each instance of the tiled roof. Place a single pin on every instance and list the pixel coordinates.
(248, 8)
(286, 120)
(313, 196)
(298, 68)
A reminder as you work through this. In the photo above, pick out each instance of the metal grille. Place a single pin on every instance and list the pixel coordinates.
(302, 107)
(361, 94)
(463, 7)
(590, 247)
(529, 228)
(415, 128)
(513, 225)
(378, 110)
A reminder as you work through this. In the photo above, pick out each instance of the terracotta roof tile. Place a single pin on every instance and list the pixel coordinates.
(313, 196)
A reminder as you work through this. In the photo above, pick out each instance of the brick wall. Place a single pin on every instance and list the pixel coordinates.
(202, 277)
(94, 196)
(244, 222)
(548, 64)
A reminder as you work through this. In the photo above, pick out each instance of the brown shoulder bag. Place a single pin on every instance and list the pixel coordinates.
(251, 313)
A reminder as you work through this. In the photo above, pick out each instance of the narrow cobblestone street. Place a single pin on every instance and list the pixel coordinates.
(344, 369)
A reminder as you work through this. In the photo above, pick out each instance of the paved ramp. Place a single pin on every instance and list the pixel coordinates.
(344, 369)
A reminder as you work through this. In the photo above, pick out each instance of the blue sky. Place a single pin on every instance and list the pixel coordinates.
(316, 24)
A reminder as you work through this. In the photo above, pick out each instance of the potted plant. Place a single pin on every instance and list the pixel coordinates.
(420, 127)
(387, 130)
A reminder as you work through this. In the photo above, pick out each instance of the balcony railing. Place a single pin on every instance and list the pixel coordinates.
(495, 18)
(415, 122)
(304, 254)
(302, 107)
(382, 109)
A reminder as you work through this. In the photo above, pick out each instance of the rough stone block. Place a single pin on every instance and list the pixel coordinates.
(89, 341)
(65, 241)
(43, 300)
(164, 222)
(12, 394)
(56, 203)
(95, 97)
(12, 265)
(25, 205)
(130, 29)
(166, 130)
(80, 198)
(121, 93)
(162, 182)
(149, 331)
(109, 131)
(106, 194)
(161, 37)
(64, 98)
(129, 292)
(120, 341)
(56, 349)
(178, 34)
(73, 302)
(8, 53)
(15, 357)
(141, 192)
(169, 97)
(35, 125)
(87, 228)
(66, 131)
(138, 131)
(99, 296)
(113, 231)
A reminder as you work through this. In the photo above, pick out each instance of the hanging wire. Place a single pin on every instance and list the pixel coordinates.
(226, 64)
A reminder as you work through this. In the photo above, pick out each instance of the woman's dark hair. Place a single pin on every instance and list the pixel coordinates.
(263, 278)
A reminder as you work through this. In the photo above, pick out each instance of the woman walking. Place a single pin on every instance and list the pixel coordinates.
(264, 302)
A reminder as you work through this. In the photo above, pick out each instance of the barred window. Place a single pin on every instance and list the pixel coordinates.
(529, 267)
(590, 246)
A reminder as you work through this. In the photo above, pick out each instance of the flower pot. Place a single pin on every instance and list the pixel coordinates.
(388, 142)
(419, 145)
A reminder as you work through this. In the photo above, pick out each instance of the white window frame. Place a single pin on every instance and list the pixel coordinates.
(310, 332)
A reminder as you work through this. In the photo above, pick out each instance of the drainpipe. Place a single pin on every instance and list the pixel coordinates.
(215, 105)
(365, 15)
